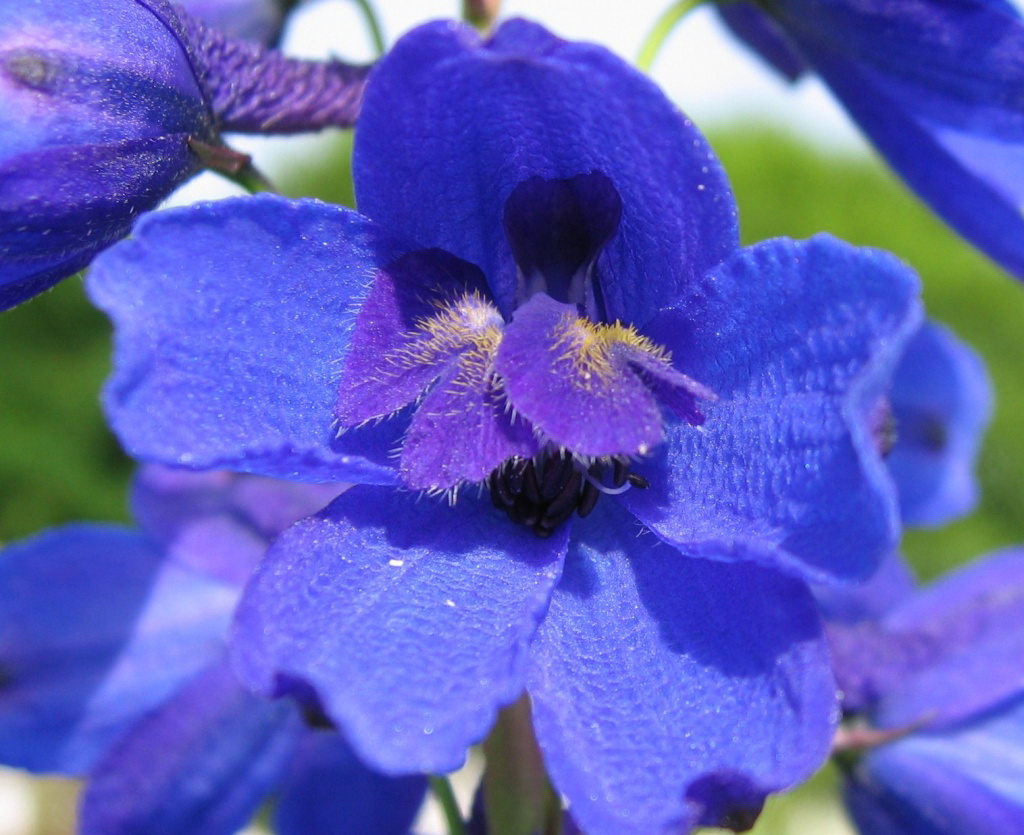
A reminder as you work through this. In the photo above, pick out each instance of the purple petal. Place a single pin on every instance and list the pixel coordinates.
(451, 126)
(973, 623)
(657, 708)
(327, 785)
(95, 630)
(409, 626)
(585, 386)
(220, 523)
(202, 763)
(942, 401)
(798, 340)
(422, 311)
(463, 429)
(965, 782)
(428, 325)
(232, 318)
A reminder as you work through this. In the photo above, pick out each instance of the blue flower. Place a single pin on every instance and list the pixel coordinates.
(106, 106)
(931, 423)
(112, 665)
(937, 677)
(542, 298)
(941, 403)
(937, 86)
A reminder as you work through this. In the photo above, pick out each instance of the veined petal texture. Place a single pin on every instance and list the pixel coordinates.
(232, 321)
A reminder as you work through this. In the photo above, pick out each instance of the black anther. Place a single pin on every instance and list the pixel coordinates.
(638, 480)
(531, 489)
(557, 470)
(501, 496)
(516, 468)
(543, 493)
(588, 499)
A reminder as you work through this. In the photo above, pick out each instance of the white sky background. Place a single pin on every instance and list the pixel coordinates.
(702, 67)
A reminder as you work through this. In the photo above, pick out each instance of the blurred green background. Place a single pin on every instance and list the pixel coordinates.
(59, 463)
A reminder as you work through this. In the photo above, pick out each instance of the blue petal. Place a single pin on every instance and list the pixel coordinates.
(220, 523)
(557, 229)
(656, 705)
(764, 36)
(451, 125)
(409, 625)
(327, 786)
(936, 86)
(231, 319)
(798, 340)
(971, 624)
(199, 765)
(892, 583)
(965, 782)
(95, 630)
(942, 401)
(957, 62)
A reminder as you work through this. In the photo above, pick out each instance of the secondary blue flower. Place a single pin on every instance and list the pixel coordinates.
(941, 403)
(106, 106)
(940, 669)
(937, 85)
(931, 423)
(112, 665)
(542, 297)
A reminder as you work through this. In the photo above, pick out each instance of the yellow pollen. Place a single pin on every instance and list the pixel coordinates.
(468, 321)
(588, 347)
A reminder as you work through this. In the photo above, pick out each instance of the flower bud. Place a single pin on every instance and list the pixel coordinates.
(98, 99)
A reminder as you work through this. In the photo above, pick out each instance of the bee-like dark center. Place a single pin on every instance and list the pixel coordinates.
(543, 492)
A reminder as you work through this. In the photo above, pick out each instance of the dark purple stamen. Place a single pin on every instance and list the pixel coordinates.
(543, 495)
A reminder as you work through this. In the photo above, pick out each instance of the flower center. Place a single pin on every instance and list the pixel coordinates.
(543, 492)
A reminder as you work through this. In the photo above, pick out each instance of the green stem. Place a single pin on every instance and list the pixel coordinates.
(661, 30)
(554, 816)
(252, 180)
(373, 24)
(442, 790)
(230, 163)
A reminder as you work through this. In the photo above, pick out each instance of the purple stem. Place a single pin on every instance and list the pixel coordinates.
(253, 89)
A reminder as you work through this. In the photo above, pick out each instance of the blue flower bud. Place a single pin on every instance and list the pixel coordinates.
(106, 106)
(98, 99)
